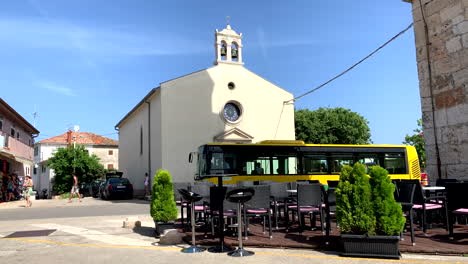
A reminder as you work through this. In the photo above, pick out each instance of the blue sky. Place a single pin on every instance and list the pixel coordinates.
(87, 62)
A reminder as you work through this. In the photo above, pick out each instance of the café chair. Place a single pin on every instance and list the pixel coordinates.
(259, 206)
(457, 202)
(309, 202)
(405, 196)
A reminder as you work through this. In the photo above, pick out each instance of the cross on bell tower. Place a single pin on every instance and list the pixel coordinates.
(228, 46)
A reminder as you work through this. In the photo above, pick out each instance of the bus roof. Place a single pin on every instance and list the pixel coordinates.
(300, 143)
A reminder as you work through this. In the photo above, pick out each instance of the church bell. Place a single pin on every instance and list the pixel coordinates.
(234, 53)
(223, 50)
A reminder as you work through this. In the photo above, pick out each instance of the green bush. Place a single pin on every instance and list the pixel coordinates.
(354, 207)
(163, 206)
(388, 213)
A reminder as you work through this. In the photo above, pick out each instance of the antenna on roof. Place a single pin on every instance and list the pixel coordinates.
(35, 114)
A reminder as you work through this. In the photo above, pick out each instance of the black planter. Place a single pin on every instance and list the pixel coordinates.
(161, 226)
(371, 246)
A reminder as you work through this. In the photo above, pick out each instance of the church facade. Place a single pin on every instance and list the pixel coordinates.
(224, 103)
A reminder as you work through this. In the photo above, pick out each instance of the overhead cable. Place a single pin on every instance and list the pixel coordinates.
(350, 68)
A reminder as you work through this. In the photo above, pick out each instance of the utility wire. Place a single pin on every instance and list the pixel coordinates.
(350, 68)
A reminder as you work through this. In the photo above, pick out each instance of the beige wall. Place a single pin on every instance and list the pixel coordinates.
(185, 113)
(103, 154)
(132, 162)
(191, 108)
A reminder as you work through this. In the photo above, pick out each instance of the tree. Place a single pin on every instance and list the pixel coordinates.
(354, 208)
(73, 159)
(417, 140)
(163, 207)
(388, 213)
(331, 126)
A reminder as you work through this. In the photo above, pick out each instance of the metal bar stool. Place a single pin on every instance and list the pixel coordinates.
(240, 196)
(192, 198)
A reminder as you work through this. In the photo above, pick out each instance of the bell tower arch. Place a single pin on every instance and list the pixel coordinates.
(228, 46)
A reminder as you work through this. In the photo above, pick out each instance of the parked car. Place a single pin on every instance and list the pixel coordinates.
(95, 186)
(116, 187)
(85, 189)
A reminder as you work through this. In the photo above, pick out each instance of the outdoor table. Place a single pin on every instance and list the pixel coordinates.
(221, 247)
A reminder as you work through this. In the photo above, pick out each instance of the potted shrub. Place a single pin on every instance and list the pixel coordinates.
(163, 206)
(369, 218)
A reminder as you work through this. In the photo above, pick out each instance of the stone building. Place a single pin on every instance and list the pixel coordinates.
(224, 103)
(441, 35)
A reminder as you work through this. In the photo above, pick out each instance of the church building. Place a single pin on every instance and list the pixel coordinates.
(224, 103)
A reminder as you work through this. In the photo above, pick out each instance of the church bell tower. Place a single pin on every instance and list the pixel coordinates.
(228, 46)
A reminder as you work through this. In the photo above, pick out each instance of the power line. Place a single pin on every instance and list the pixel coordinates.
(350, 68)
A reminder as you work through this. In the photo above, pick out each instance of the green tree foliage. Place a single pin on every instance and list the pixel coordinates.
(66, 160)
(354, 208)
(388, 213)
(417, 140)
(331, 126)
(163, 206)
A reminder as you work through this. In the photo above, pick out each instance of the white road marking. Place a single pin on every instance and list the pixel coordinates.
(96, 235)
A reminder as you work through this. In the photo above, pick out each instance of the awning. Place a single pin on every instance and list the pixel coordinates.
(24, 161)
(6, 155)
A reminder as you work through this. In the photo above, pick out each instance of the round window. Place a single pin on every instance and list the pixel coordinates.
(232, 112)
(231, 86)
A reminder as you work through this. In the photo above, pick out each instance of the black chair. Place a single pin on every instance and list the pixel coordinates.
(405, 191)
(309, 202)
(191, 197)
(201, 206)
(259, 206)
(330, 205)
(179, 199)
(457, 202)
(240, 196)
(424, 203)
(280, 198)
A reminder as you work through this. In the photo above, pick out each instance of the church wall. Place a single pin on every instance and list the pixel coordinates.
(191, 107)
(132, 162)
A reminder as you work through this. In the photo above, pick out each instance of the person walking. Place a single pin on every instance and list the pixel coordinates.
(28, 185)
(74, 189)
(146, 184)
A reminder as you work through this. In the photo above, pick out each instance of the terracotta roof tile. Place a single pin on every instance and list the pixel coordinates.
(83, 138)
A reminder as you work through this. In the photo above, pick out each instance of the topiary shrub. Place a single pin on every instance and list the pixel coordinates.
(388, 213)
(354, 208)
(163, 206)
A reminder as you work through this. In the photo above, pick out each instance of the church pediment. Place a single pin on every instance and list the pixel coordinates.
(234, 135)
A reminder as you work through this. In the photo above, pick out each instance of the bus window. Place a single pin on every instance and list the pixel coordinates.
(338, 161)
(259, 166)
(222, 163)
(284, 164)
(395, 163)
(368, 160)
(315, 164)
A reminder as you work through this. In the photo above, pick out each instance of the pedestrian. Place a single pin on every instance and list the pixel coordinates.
(28, 184)
(147, 184)
(74, 189)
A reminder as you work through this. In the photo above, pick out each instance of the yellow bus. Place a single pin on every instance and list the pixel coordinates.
(289, 161)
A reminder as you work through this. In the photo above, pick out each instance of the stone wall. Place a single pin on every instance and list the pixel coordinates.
(447, 125)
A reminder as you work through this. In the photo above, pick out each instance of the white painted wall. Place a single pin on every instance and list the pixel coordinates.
(191, 107)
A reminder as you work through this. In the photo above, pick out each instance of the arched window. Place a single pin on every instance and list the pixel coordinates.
(234, 51)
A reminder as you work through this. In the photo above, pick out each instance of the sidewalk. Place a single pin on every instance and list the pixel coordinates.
(87, 201)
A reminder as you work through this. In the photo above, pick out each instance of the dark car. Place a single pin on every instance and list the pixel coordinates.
(85, 189)
(95, 187)
(116, 187)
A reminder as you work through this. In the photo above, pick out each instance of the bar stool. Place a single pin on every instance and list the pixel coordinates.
(191, 197)
(240, 196)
